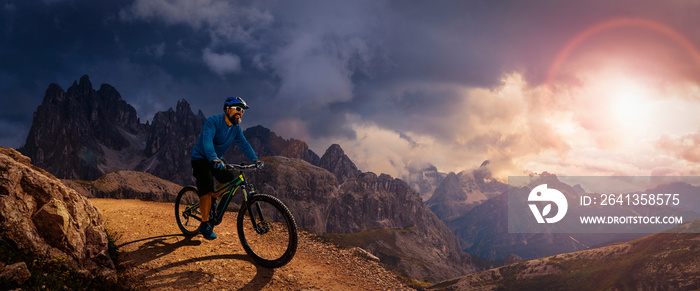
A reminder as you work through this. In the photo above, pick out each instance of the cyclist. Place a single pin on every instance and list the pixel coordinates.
(218, 133)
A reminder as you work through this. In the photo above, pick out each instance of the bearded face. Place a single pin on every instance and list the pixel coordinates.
(233, 115)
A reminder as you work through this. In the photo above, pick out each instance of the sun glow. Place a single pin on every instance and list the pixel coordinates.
(631, 105)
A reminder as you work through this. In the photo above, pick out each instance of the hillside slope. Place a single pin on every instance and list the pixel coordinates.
(157, 256)
(368, 202)
(662, 261)
(127, 185)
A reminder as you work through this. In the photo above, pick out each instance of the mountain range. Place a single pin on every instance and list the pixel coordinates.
(94, 141)
(427, 226)
(83, 133)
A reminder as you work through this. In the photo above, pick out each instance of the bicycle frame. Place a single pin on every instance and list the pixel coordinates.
(229, 189)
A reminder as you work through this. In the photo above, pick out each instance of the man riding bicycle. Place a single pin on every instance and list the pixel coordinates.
(218, 133)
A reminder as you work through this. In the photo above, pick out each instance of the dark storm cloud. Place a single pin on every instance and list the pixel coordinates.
(153, 65)
(401, 65)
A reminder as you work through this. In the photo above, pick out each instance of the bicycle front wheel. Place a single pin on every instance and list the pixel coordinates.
(267, 231)
(187, 212)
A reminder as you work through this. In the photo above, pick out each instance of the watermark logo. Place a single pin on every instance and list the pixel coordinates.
(603, 204)
(543, 194)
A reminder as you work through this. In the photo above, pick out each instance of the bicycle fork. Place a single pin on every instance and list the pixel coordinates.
(255, 214)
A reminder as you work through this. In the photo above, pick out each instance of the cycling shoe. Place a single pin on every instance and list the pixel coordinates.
(207, 231)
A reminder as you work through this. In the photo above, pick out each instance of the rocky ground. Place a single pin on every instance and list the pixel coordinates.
(156, 256)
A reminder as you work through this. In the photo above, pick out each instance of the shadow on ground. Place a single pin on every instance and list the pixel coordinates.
(192, 279)
(156, 247)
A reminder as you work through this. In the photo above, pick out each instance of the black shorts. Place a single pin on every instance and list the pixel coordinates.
(204, 172)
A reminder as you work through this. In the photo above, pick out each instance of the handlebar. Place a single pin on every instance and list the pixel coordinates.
(244, 167)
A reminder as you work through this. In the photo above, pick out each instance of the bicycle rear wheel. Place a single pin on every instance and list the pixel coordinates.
(187, 212)
(269, 235)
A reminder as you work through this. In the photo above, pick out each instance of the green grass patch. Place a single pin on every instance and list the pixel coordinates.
(112, 248)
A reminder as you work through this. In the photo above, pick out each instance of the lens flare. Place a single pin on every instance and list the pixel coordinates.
(618, 23)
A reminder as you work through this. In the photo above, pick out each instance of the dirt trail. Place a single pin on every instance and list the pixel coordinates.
(158, 256)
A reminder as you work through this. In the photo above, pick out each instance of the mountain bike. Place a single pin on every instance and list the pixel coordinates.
(266, 227)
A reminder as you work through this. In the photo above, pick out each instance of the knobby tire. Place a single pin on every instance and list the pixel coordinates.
(275, 247)
(187, 198)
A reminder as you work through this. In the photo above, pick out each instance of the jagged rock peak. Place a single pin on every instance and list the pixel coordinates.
(71, 131)
(335, 161)
(107, 88)
(85, 82)
(54, 94)
(83, 88)
(449, 191)
(183, 106)
(109, 95)
(335, 150)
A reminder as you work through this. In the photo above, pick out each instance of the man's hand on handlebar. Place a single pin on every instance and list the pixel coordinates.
(218, 164)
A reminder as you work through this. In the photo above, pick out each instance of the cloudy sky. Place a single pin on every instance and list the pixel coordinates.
(594, 87)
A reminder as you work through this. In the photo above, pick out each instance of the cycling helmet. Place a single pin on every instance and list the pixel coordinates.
(235, 101)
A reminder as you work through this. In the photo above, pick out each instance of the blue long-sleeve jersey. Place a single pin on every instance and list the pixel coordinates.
(217, 136)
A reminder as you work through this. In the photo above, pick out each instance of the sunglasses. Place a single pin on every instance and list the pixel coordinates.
(237, 108)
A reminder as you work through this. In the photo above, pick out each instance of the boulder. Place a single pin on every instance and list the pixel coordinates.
(39, 214)
(17, 273)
